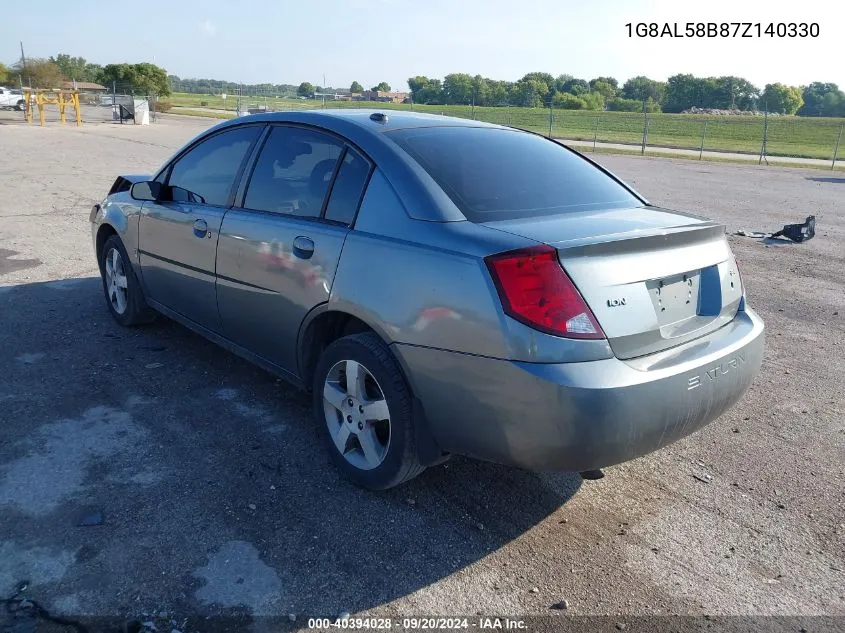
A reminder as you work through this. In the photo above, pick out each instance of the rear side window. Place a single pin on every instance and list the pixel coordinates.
(495, 174)
(348, 188)
(206, 174)
(293, 172)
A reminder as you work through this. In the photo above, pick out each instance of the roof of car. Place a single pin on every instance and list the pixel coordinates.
(415, 188)
(362, 117)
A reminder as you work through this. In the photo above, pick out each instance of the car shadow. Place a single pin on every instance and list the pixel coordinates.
(197, 459)
(826, 179)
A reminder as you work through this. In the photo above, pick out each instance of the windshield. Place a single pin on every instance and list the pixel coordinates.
(499, 174)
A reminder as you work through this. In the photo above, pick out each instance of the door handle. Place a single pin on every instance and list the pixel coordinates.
(303, 247)
(200, 228)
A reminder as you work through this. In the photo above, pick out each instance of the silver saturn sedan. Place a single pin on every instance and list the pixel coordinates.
(441, 286)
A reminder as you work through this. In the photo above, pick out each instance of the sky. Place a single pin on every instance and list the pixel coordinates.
(369, 41)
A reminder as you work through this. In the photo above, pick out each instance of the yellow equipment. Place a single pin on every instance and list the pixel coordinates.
(42, 97)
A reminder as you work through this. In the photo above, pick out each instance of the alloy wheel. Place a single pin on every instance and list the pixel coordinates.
(116, 282)
(357, 414)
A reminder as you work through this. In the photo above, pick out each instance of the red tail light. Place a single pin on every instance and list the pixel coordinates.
(535, 290)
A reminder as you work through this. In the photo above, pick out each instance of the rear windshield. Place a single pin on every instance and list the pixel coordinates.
(495, 174)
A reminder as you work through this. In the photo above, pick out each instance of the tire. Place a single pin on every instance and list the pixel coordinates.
(396, 459)
(132, 309)
(20, 105)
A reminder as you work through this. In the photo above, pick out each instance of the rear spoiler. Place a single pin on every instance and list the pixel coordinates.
(642, 240)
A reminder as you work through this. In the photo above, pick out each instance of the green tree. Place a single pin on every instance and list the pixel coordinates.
(481, 91)
(545, 78)
(94, 73)
(684, 91)
(542, 79)
(817, 101)
(575, 86)
(736, 92)
(73, 67)
(499, 92)
(356, 87)
(781, 98)
(305, 89)
(567, 101)
(425, 90)
(642, 88)
(833, 104)
(529, 93)
(457, 88)
(611, 81)
(382, 87)
(39, 73)
(142, 78)
(560, 81)
(5, 74)
(593, 101)
(620, 104)
(605, 89)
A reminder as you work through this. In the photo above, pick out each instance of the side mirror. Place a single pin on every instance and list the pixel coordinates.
(148, 191)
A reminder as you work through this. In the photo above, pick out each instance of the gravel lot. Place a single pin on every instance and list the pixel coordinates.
(216, 498)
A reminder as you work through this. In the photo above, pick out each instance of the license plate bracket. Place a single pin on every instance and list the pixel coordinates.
(675, 298)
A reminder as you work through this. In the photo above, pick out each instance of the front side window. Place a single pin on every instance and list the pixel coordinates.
(206, 174)
(499, 174)
(293, 172)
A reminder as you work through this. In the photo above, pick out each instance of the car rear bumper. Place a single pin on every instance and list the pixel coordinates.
(580, 416)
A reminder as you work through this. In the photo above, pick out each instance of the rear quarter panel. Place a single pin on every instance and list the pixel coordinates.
(425, 283)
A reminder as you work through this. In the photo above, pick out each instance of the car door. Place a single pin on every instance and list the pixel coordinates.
(178, 235)
(278, 252)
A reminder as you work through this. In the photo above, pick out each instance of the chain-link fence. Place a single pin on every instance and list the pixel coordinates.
(761, 136)
(116, 104)
(758, 136)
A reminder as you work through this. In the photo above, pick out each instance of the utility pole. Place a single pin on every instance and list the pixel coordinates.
(23, 69)
(836, 149)
(765, 135)
(596, 134)
(645, 128)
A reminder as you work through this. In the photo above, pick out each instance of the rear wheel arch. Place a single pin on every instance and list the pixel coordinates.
(321, 328)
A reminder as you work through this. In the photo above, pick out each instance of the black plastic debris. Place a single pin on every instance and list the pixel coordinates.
(799, 232)
(794, 232)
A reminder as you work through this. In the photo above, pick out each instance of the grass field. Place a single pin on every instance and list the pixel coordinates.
(787, 136)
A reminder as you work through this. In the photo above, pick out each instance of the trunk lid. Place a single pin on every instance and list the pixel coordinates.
(653, 278)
